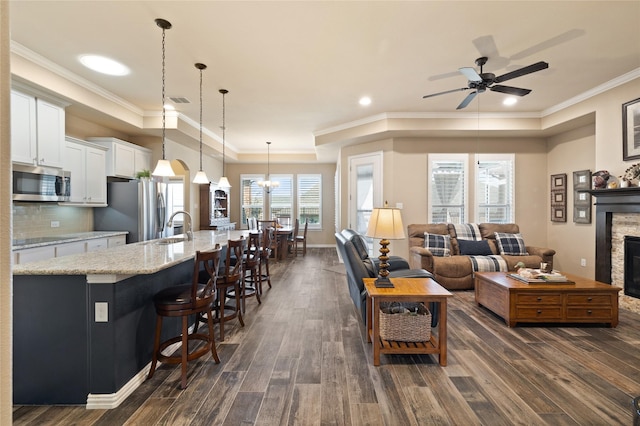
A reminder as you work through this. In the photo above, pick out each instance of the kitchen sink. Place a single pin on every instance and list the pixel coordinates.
(170, 240)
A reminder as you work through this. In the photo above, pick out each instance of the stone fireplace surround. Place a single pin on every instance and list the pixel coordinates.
(617, 215)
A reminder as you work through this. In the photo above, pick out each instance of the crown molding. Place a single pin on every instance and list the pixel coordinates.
(611, 84)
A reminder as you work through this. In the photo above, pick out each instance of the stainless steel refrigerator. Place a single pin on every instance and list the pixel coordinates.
(136, 206)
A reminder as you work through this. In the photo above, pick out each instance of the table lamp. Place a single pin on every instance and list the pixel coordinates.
(386, 224)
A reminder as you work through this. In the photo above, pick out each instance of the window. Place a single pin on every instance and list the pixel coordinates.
(494, 188)
(251, 197)
(310, 200)
(447, 198)
(282, 197)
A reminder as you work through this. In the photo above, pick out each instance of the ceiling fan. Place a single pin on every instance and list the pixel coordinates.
(480, 82)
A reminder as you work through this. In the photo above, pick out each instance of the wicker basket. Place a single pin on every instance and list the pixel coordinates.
(412, 325)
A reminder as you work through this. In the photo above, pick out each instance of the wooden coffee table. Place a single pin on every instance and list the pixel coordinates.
(407, 290)
(586, 301)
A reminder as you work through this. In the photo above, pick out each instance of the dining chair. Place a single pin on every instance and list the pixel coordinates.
(271, 224)
(183, 301)
(252, 224)
(291, 238)
(302, 239)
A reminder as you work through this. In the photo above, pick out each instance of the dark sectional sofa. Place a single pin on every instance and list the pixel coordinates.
(355, 255)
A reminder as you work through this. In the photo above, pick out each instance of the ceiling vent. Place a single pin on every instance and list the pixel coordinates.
(180, 100)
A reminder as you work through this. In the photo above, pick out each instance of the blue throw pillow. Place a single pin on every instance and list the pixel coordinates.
(511, 244)
(474, 248)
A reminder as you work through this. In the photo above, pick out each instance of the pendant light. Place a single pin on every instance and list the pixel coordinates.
(201, 176)
(163, 168)
(224, 182)
(268, 184)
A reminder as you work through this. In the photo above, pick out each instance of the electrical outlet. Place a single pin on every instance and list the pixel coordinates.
(583, 262)
(55, 224)
(399, 205)
(102, 312)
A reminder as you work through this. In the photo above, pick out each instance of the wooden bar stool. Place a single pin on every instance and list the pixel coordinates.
(229, 282)
(183, 301)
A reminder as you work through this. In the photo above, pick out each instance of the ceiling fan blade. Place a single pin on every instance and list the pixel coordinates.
(538, 66)
(467, 100)
(470, 73)
(445, 92)
(510, 90)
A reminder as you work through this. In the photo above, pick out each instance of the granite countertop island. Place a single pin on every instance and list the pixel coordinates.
(84, 324)
(145, 257)
(25, 243)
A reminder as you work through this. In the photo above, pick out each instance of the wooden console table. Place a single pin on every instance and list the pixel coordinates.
(407, 290)
(584, 301)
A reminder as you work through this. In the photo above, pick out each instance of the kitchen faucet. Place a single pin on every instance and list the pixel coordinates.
(189, 232)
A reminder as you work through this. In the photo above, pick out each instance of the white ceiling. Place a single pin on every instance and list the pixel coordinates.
(297, 69)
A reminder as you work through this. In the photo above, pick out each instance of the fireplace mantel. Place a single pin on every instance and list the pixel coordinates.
(609, 201)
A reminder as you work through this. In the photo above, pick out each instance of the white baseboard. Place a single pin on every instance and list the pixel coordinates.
(106, 401)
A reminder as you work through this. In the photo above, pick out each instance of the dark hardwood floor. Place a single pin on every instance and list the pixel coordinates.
(302, 359)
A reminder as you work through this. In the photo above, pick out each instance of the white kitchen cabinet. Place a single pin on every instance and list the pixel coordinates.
(33, 254)
(87, 164)
(118, 240)
(124, 159)
(37, 131)
(67, 249)
(97, 244)
(142, 160)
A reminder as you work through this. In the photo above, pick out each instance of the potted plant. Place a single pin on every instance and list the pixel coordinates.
(143, 174)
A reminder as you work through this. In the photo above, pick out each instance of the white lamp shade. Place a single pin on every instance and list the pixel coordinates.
(163, 168)
(386, 224)
(224, 182)
(201, 177)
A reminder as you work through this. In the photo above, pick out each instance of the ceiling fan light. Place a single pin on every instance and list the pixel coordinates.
(201, 177)
(163, 168)
(511, 100)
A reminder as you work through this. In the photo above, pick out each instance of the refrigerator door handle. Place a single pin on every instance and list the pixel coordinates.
(161, 212)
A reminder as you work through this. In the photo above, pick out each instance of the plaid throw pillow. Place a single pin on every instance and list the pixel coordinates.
(437, 244)
(467, 231)
(511, 244)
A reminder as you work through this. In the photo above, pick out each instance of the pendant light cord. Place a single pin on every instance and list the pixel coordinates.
(201, 118)
(224, 128)
(163, 96)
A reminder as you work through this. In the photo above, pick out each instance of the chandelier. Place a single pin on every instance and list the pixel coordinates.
(268, 184)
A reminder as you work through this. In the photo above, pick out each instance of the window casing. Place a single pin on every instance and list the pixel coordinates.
(494, 194)
(447, 197)
(309, 199)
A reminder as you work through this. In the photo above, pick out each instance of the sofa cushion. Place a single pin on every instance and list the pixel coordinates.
(438, 245)
(477, 248)
(511, 244)
(467, 231)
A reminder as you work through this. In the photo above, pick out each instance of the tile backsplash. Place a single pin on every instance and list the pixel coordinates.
(34, 219)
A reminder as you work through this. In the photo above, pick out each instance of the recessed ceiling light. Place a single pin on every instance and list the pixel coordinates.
(510, 101)
(364, 101)
(104, 65)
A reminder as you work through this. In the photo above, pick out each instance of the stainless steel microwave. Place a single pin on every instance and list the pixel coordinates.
(35, 183)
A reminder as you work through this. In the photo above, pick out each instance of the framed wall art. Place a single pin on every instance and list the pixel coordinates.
(559, 197)
(630, 130)
(581, 198)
